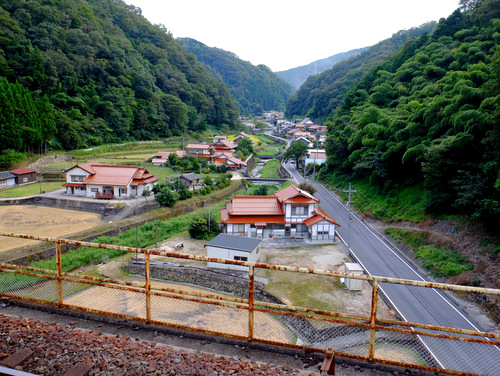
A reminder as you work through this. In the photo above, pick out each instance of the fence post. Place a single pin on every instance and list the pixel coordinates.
(373, 319)
(251, 291)
(59, 271)
(147, 286)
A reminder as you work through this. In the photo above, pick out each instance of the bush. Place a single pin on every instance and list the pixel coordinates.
(9, 158)
(167, 197)
(199, 227)
(308, 188)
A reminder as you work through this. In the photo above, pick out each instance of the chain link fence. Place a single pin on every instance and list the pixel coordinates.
(241, 308)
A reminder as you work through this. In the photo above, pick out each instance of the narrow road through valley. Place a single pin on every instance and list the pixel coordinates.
(413, 304)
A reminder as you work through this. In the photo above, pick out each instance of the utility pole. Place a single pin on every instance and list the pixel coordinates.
(209, 217)
(314, 170)
(349, 203)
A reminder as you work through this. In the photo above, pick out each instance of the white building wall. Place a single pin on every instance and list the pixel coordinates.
(231, 254)
(76, 171)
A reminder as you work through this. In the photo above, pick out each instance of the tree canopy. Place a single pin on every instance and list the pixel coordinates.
(323, 93)
(295, 151)
(99, 72)
(430, 114)
(255, 88)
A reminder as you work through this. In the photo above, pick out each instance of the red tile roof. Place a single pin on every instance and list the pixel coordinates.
(255, 219)
(318, 216)
(293, 194)
(197, 146)
(115, 175)
(254, 205)
(22, 171)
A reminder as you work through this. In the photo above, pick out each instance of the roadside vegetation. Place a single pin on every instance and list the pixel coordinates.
(441, 262)
(270, 169)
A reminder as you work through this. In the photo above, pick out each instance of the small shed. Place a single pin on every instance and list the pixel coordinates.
(231, 247)
(7, 179)
(24, 175)
(191, 179)
(350, 283)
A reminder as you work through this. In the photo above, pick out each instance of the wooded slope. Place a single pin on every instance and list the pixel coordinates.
(102, 73)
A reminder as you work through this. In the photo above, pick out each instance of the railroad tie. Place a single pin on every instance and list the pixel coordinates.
(12, 361)
(79, 369)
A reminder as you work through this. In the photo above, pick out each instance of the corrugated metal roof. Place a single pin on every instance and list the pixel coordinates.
(4, 175)
(239, 243)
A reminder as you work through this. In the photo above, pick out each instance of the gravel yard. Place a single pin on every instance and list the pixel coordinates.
(59, 342)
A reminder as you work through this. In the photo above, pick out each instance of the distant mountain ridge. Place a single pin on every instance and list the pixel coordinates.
(297, 76)
(255, 88)
(321, 94)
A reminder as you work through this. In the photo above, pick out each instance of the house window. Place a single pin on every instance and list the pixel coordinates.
(3, 182)
(299, 210)
(25, 180)
(77, 178)
(238, 227)
(94, 190)
(301, 228)
(240, 258)
(322, 232)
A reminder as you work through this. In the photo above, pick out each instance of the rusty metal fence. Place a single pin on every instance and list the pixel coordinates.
(253, 318)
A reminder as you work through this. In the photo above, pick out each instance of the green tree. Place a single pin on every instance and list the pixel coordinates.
(201, 227)
(245, 146)
(297, 150)
(167, 197)
(260, 191)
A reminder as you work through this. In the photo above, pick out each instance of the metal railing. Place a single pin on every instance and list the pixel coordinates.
(251, 317)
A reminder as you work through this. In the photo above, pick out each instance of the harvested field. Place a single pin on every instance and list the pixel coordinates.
(42, 221)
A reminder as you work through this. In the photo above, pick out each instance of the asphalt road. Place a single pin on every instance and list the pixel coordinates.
(414, 304)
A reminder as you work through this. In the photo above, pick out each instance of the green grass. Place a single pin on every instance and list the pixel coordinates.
(73, 259)
(269, 151)
(270, 169)
(414, 239)
(441, 262)
(31, 189)
(398, 205)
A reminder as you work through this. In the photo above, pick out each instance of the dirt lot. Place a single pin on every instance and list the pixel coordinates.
(42, 221)
(293, 288)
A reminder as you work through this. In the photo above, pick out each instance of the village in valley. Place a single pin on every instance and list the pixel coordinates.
(271, 215)
(267, 221)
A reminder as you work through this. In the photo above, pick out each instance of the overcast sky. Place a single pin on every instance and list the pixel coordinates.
(284, 34)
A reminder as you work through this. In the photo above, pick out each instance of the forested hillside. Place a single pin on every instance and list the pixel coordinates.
(321, 94)
(255, 88)
(430, 117)
(297, 76)
(96, 71)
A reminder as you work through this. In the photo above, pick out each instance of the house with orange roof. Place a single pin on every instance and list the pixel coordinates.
(230, 160)
(200, 150)
(93, 180)
(223, 145)
(161, 157)
(240, 136)
(289, 213)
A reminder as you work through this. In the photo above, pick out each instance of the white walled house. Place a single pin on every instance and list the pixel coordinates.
(94, 180)
(290, 213)
(230, 247)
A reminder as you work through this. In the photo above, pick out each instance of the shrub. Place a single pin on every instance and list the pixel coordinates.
(167, 197)
(199, 227)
